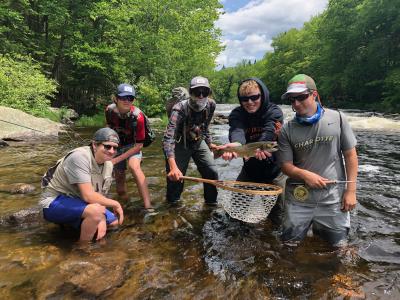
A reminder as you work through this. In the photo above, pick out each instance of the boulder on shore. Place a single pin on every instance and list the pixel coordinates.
(18, 124)
(17, 188)
(220, 119)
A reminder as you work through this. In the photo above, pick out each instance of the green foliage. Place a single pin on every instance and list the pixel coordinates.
(391, 101)
(351, 50)
(226, 81)
(175, 40)
(23, 86)
(52, 114)
(151, 96)
(96, 120)
(90, 46)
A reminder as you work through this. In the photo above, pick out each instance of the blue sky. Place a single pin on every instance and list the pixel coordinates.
(248, 26)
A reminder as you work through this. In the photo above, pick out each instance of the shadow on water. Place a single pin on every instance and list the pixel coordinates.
(192, 251)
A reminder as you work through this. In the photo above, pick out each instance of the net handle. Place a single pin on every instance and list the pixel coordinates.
(225, 185)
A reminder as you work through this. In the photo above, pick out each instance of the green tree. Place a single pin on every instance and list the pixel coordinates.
(89, 47)
(23, 86)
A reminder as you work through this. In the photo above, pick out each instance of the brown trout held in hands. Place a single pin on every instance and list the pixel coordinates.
(248, 149)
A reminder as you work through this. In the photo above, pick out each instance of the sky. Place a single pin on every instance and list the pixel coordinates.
(248, 26)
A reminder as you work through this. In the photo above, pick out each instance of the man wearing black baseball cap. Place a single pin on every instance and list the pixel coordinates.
(75, 189)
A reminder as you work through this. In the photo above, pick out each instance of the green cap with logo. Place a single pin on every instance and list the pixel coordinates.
(300, 84)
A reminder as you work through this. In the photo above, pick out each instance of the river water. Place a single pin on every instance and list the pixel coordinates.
(195, 252)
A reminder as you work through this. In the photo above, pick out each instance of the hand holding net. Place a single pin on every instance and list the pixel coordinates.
(246, 201)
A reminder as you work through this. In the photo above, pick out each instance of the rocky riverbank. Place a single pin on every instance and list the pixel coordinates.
(18, 125)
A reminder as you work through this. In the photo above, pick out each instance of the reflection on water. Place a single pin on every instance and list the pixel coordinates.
(192, 251)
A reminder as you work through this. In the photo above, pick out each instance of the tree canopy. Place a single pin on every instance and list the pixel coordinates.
(77, 51)
(352, 50)
(89, 46)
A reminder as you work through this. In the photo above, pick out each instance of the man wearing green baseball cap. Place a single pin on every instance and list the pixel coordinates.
(311, 150)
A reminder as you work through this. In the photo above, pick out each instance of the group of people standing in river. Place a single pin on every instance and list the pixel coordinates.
(316, 148)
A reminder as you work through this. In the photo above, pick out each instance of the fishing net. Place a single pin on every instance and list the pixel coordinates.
(247, 201)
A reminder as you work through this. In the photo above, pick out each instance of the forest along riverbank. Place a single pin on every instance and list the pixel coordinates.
(191, 251)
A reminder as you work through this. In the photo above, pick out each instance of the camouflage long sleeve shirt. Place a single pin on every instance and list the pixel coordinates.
(197, 126)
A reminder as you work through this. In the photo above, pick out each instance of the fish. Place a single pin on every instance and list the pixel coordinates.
(248, 149)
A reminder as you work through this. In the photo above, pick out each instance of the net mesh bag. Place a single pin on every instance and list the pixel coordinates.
(247, 201)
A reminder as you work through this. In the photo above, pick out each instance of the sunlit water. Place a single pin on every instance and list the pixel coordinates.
(195, 252)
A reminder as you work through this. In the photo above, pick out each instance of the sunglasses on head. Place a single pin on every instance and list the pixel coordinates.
(126, 98)
(247, 98)
(109, 147)
(299, 98)
(200, 91)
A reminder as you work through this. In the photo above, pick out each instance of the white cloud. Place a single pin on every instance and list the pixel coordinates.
(248, 31)
(251, 47)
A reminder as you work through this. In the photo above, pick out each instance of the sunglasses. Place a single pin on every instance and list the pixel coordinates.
(126, 98)
(247, 98)
(200, 91)
(109, 147)
(299, 98)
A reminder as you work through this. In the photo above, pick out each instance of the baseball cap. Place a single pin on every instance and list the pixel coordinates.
(300, 84)
(106, 135)
(199, 81)
(125, 89)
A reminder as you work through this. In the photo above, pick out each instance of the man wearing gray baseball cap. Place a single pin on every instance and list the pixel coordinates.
(188, 136)
(75, 189)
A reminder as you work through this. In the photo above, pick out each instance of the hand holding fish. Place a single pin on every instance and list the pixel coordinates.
(225, 155)
(260, 150)
(213, 146)
(262, 154)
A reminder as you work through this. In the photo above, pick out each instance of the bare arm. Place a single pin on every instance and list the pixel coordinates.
(90, 196)
(349, 198)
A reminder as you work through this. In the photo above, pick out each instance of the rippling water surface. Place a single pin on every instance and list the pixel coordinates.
(194, 252)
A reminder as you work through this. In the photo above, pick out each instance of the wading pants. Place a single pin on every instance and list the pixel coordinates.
(204, 161)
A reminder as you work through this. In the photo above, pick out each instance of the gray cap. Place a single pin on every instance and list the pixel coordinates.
(199, 81)
(125, 89)
(106, 135)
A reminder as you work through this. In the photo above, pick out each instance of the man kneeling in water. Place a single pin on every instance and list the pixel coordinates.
(76, 186)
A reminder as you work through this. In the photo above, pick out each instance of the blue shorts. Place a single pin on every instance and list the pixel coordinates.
(69, 210)
(121, 166)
